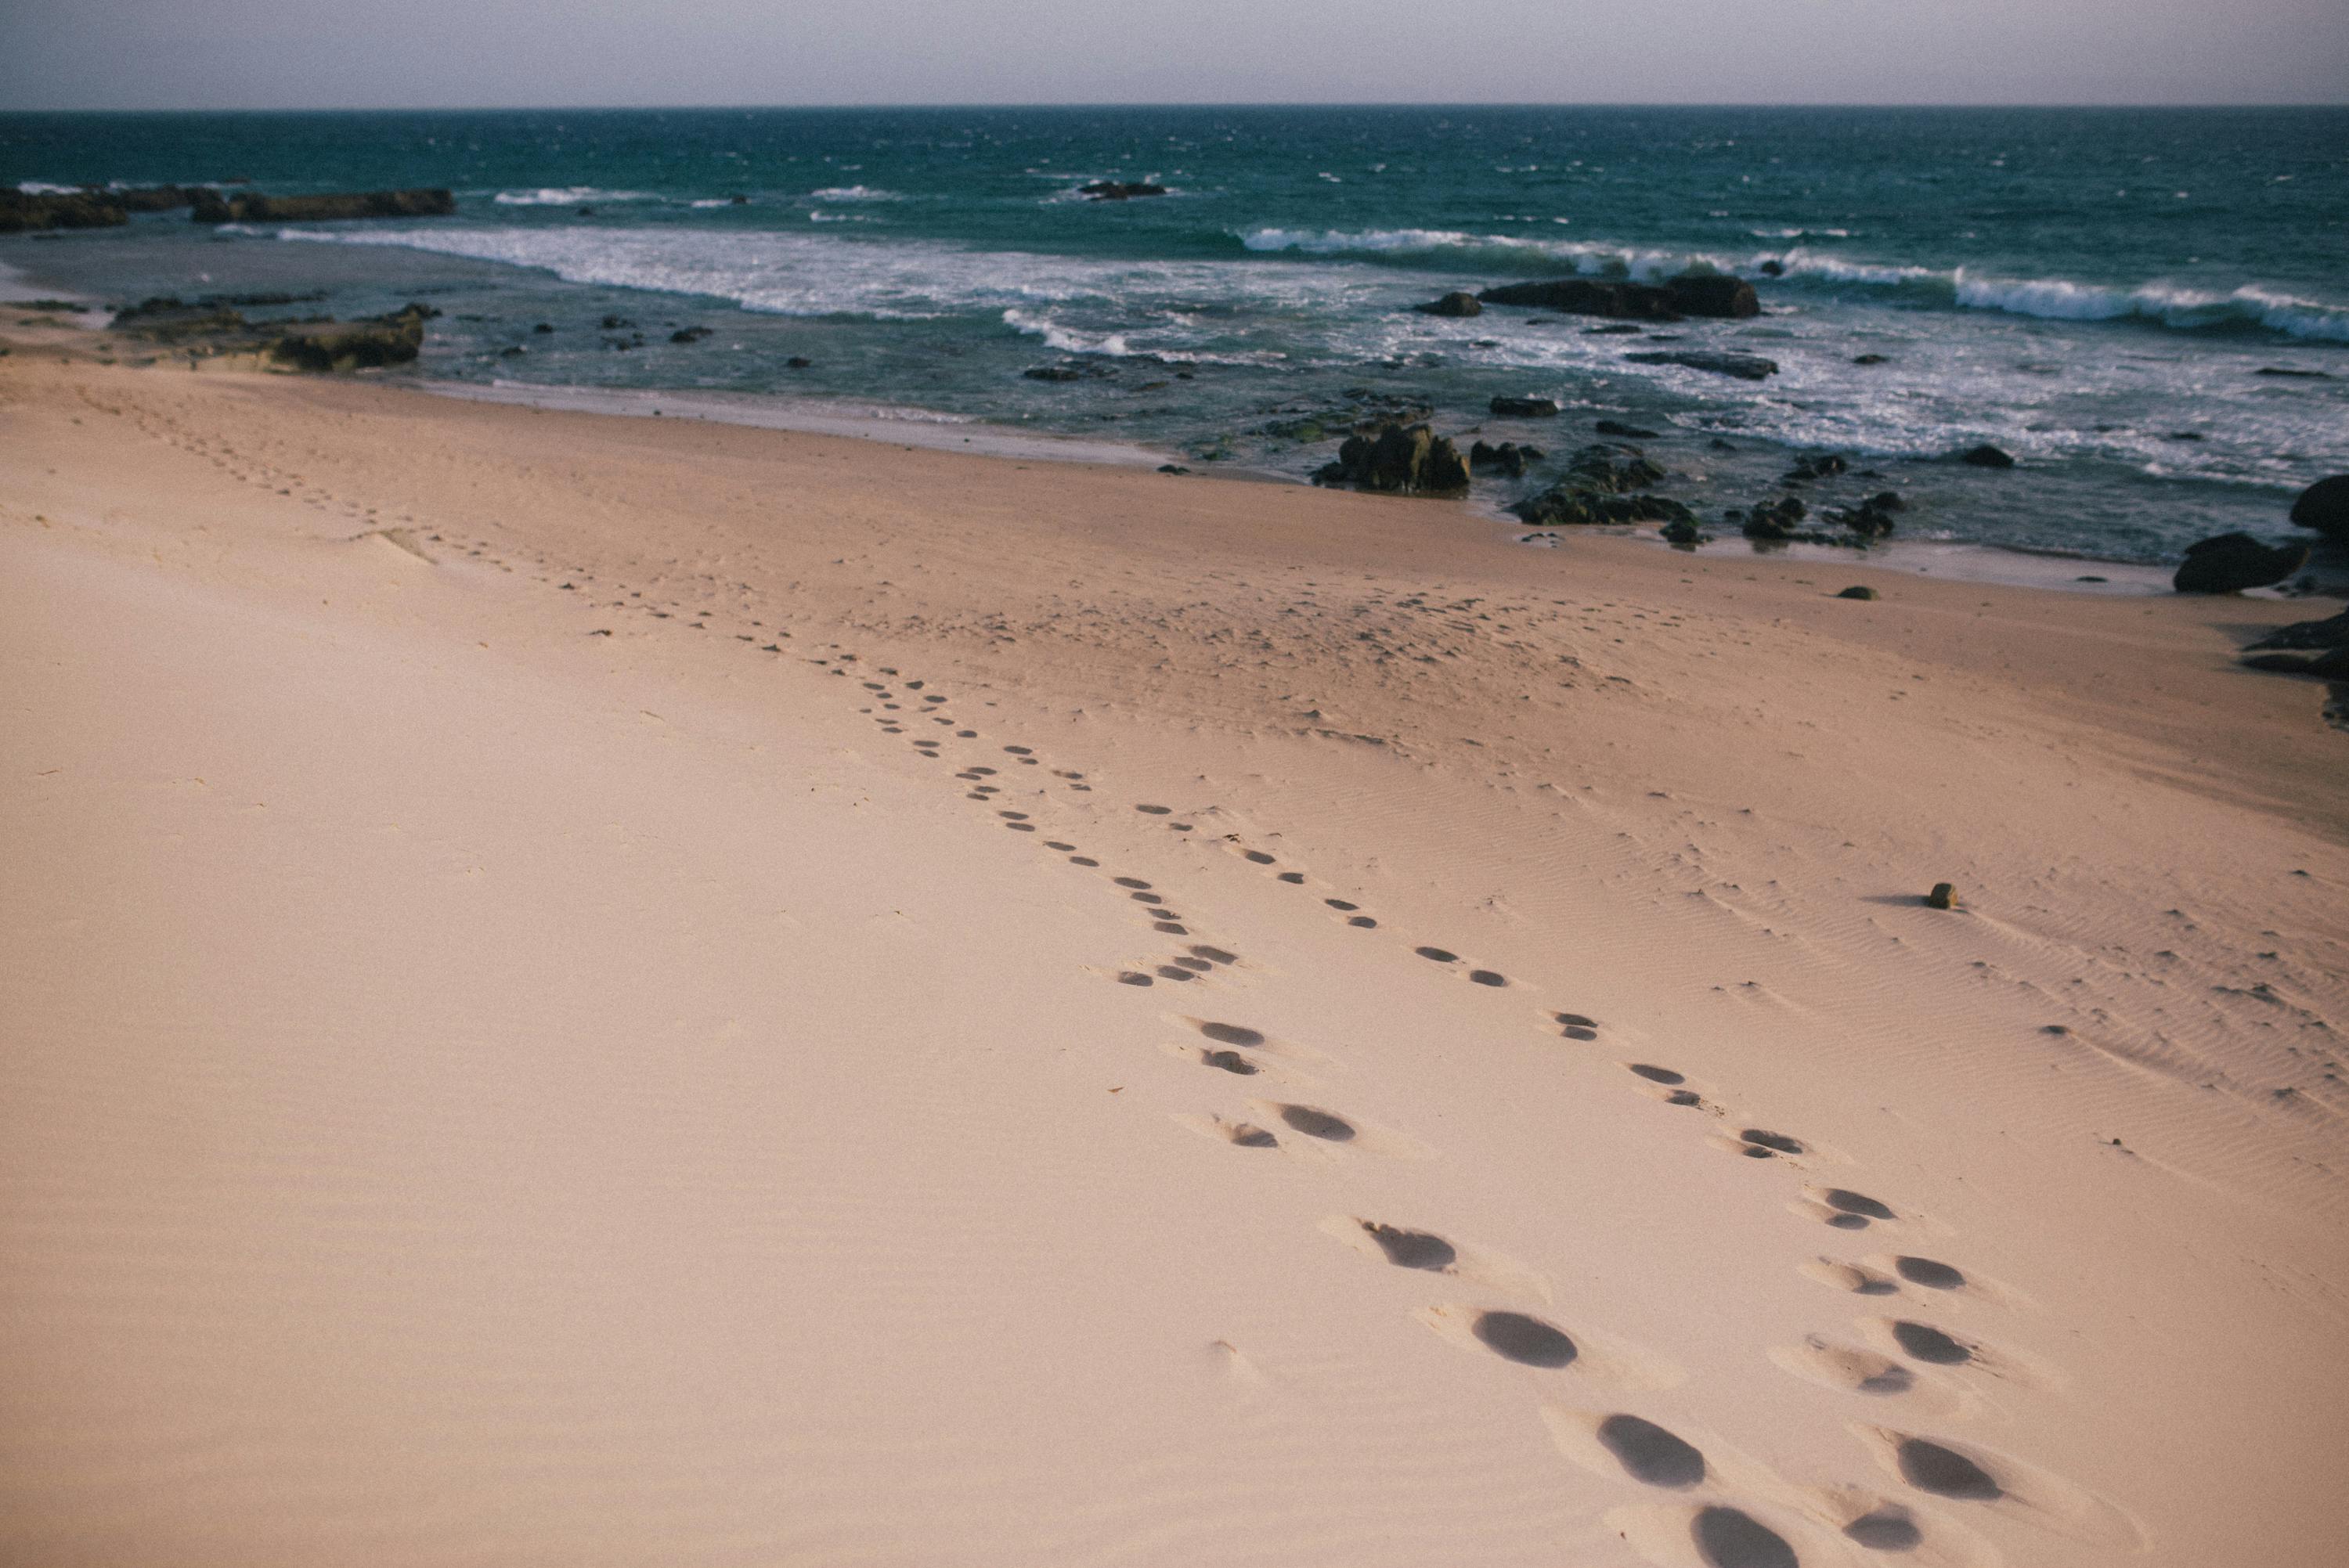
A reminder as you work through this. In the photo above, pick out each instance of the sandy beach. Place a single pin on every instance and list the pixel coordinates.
(609, 990)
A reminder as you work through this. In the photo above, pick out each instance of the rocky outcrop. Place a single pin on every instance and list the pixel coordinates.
(1401, 460)
(1985, 456)
(213, 207)
(1459, 301)
(2233, 561)
(317, 346)
(1601, 485)
(153, 198)
(1120, 189)
(22, 211)
(1872, 519)
(1525, 407)
(1510, 458)
(1707, 294)
(1629, 432)
(1773, 520)
(2325, 507)
(1744, 366)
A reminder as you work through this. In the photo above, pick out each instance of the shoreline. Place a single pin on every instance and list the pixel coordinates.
(642, 990)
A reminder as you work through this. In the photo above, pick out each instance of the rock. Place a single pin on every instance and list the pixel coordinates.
(1683, 531)
(1706, 295)
(738, 200)
(798, 362)
(212, 207)
(1870, 359)
(150, 198)
(1773, 520)
(1774, 268)
(22, 211)
(2325, 507)
(1714, 295)
(1568, 504)
(1053, 373)
(1872, 519)
(1943, 896)
(1629, 432)
(1614, 329)
(1509, 457)
(1985, 456)
(319, 345)
(1613, 469)
(1857, 591)
(2233, 561)
(1815, 466)
(2294, 374)
(1459, 301)
(1525, 407)
(1120, 191)
(1744, 366)
(1172, 468)
(617, 323)
(690, 334)
(2304, 634)
(1401, 460)
(544, 327)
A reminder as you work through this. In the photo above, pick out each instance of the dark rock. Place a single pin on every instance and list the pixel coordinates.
(1614, 329)
(1401, 460)
(1985, 456)
(1172, 468)
(2232, 561)
(2325, 507)
(1857, 591)
(798, 362)
(1706, 294)
(1509, 457)
(1744, 366)
(2329, 634)
(1683, 531)
(1629, 432)
(738, 200)
(1872, 519)
(1870, 359)
(1120, 191)
(1053, 373)
(22, 211)
(320, 345)
(690, 334)
(544, 327)
(1943, 896)
(150, 198)
(616, 323)
(1598, 487)
(1459, 301)
(212, 207)
(1774, 268)
(2294, 374)
(1773, 520)
(1816, 466)
(1525, 407)
(2332, 664)
(512, 351)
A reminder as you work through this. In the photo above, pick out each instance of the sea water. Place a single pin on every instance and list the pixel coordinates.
(2148, 308)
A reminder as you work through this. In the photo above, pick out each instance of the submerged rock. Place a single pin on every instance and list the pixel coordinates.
(1704, 294)
(334, 206)
(317, 346)
(1401, 460)
(1629, 432)
(1525, 407)
(1459, 301)
(2233, 561)
(1511, 457)
(1985, 456)
(1120, 189)
(2325, 507)
(1744, 366)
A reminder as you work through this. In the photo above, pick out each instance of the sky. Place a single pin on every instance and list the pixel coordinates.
(401, 54)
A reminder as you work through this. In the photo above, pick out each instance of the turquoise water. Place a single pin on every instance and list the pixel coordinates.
(2098, 292)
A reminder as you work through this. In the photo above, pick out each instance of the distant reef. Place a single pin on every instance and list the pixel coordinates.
(251, 207)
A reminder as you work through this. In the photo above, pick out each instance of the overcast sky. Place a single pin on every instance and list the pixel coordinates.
(351, 54)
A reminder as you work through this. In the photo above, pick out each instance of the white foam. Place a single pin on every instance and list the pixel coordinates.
(567, 196)
(41, 188)
(854, 194)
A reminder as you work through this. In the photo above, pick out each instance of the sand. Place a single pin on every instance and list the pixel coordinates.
(514, 1055)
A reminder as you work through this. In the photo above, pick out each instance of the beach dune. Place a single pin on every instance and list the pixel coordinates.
(608, 991)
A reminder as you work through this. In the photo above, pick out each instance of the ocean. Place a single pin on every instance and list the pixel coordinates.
(2148, 308)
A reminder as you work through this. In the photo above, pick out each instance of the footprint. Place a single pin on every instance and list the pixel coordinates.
(1731, 1538)
(1130, 882)
(1169, 972)
(1843, 1368)
(1249, 1136)
(1019, 750)
(1527, 1340)
(1146, 898)
(1197, 965)
(1129, 977)
(1945, 1472)
(1294, 879)
(1245, 1134)
(1154, 810)
(1889, 1527)
(1021, 827)
(1230, 1061)
(1341, 905)
(1930, 1275)
(1843, 1208)
(1656, 1073)
(1487, 977)
(1770, 1142)
(1437, 955)
(1317, 1124)
(1849, 1277)
(1056, 844)
(1411, 1249)
(1258, 857)
(1082, 861)
(1215, 955)
(1169, 927)
(1922, 1342)
(1650, 1454)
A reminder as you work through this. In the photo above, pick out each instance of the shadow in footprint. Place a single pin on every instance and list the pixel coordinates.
(1340, 904)
(1437, 955)
(1487, 977)
(1168, 972)
(1656, 1073)
(1130, 882)
(1925, 1343)
(1514, 1337)
(1886, 1529)
(1317, 1124)
(1215, 955)
(1731, 1538)
(1258, 857)
(1945, 1472)
(1767, 1142)
(1294, 879)
(1154, 810)
(1411, 1249)
(1855, 1205)
(1930, 1275)
(1251, 1137)
(1230, 1061)
(1130, 978)
(1232, 1034)
(1651, 1454)
(1170, 928)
